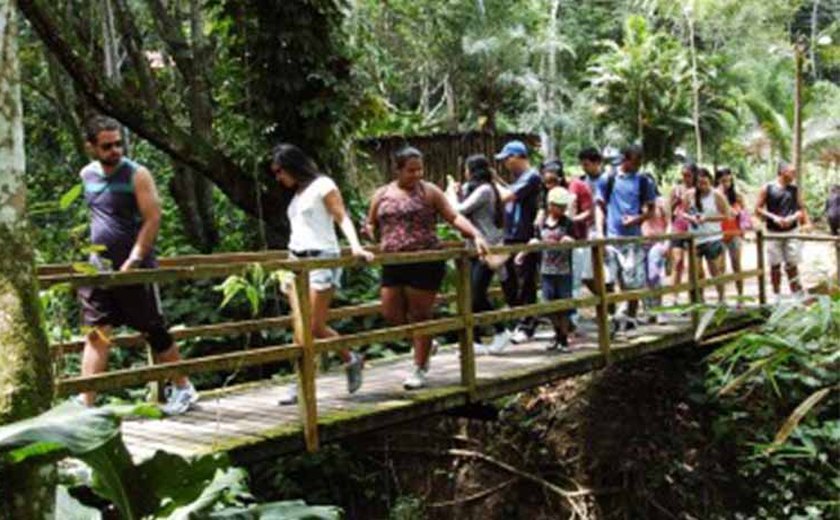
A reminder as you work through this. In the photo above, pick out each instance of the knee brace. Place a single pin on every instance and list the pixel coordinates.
(159, 339)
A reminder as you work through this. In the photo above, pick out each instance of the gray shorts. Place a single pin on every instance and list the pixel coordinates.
(626, 265)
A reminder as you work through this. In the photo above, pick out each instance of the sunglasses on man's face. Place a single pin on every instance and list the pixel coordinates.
(108, 146)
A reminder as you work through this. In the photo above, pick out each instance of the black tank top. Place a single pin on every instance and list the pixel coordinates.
(782, 201)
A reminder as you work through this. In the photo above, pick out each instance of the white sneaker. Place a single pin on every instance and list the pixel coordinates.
(480, 349)
(416, 380)
(500, 342)
(179, 399)
(520, 336)
(289, 396)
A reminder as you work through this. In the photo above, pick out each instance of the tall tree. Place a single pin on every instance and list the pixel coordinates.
(25, 378)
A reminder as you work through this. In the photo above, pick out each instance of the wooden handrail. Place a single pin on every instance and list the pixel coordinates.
(232, 328)
(306, 348)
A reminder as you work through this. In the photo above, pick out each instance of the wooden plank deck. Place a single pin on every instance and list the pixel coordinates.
(247, 419)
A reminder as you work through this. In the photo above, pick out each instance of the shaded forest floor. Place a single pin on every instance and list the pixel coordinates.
(632, 441)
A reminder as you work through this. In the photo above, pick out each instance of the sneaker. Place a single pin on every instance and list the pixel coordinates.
(353, 368)
(630, 324)
(521, 336)
(416, 380)
(558, 345)
(500, 342)
(179, 399)
(480, 349)
(78, 400)
(289, 396)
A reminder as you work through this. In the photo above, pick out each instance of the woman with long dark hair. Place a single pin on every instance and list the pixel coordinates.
(482, 204)
(705, 208)
(732, 227)
(316, 207)
(404, 215)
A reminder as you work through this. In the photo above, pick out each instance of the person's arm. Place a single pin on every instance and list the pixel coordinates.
(370, 221)
(478, 198)
(148, 203)
(335, 206)
(455, 219)
(801, 215)
(761, 207)
(522, 188)
(647, 208)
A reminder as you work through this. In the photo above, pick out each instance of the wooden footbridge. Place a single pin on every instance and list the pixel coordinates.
(247, 421)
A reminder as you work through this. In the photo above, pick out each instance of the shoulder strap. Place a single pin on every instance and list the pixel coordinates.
(610, 186)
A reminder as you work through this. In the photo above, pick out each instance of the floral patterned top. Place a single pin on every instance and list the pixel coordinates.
(555, 262)
(406, 223)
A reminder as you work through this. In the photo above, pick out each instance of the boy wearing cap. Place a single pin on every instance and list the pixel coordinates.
(556, 265)
(521, 204)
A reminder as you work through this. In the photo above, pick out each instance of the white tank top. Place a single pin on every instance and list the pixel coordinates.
(312, 225)
(710, 209)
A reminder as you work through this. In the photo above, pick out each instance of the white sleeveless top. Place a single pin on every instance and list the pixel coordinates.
(710, 209)
(312, 225)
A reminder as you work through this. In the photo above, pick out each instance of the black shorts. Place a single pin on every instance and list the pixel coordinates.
(136, 306)
(425, 276)
(678, 243)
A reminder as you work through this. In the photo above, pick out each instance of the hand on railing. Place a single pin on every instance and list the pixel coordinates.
(363, 254)
(481, 246)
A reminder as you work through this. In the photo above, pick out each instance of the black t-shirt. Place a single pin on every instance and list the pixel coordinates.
(782, 201)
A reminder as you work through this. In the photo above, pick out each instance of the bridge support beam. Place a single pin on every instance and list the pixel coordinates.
(467, 339)
(306, 366)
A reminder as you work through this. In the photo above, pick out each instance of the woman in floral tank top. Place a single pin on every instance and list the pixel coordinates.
(404, 216)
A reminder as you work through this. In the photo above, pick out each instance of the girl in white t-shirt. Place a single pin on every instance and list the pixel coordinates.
(314, 211)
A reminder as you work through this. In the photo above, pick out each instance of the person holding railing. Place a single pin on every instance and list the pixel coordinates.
(679, 224)
(655, 256)
(734, 226)
(522, 203)
(625, 199)
(314, 211)
(781, 206)
(705, 209)
(404, 215)
(125, 219)
(556, 265)
(481, 202)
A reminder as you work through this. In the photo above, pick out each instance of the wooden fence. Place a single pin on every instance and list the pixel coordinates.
(305, 348)
(444, 154)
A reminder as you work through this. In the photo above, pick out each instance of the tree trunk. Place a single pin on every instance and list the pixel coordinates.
(192, 192)
(799, 51)
(25, 378)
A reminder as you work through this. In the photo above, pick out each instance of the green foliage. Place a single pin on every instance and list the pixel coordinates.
(788, 369)
(165, 486)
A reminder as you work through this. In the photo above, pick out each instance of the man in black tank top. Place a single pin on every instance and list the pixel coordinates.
(125, 219)
(780, 205)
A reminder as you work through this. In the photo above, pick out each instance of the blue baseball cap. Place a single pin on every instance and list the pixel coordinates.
(512, 148)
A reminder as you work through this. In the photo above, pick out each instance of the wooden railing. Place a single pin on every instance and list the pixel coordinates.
(305, 349)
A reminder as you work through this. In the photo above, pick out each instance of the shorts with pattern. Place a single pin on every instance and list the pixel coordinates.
(783, 251)
(626, 265)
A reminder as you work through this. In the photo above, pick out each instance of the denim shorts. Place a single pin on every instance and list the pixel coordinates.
(557, 287)
(323, 279)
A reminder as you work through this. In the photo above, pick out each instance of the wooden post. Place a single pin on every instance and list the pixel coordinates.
(696, 292)
(762, 279)
(467, 340)
(602, 315)
(306, 369)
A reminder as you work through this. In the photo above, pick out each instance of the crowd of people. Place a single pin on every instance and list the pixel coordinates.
(612, 197)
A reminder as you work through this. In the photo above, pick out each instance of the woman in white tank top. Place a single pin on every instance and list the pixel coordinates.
(316, 208)
(705, 209)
